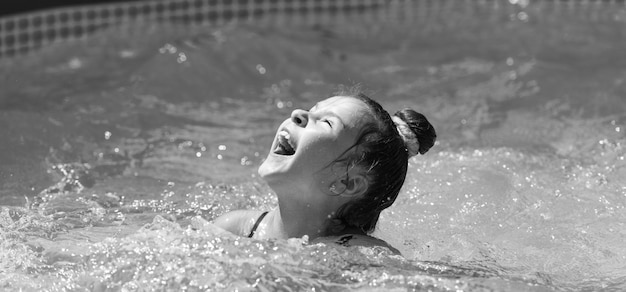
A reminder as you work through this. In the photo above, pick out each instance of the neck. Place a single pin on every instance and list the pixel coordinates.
(295, 219)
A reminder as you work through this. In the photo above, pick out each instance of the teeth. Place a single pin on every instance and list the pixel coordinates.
(284, 134)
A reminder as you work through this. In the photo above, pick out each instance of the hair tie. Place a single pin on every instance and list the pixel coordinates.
(410, 139)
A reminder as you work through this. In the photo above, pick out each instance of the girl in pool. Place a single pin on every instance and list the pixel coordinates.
(334, 168)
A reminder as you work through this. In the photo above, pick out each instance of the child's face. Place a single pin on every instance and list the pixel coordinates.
(309, 141)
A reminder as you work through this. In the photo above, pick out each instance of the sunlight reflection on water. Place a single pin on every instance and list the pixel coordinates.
(120, 147)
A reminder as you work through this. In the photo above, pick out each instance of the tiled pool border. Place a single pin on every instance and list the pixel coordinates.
(25, 32)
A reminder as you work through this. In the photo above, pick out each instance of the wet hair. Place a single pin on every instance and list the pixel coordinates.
(383, 152)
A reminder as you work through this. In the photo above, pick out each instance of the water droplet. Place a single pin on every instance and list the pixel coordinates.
(222, 147)
(523, 16)
(75, 63)
(107, 135)
(127, 54)
(261, 69)
(181, 58)
(167, 48)
(522, 3)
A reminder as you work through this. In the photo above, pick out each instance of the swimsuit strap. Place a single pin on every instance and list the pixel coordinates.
(344, 240)
(256, 224)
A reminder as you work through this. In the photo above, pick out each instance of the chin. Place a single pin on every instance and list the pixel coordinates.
(272, 166)
(278, 170)
(263, 170)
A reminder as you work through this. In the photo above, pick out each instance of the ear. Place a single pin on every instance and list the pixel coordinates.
(353, 185)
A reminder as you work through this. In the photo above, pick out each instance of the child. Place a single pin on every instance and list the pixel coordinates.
(334, 168)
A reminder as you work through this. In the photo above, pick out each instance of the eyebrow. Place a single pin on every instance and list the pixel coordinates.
(327, 113)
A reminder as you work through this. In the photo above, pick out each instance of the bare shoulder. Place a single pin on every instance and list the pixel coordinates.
(356, 240)
(239, 222)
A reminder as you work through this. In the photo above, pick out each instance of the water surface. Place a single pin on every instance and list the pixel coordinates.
(118, 150)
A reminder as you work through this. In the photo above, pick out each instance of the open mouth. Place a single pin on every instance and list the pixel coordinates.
(284, 145)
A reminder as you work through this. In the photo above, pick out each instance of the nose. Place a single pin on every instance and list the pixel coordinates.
(300, 117)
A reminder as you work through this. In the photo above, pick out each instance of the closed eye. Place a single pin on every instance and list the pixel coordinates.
(328, 122)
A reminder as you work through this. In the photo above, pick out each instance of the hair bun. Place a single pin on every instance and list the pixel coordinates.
(416, 131)
(410, 140)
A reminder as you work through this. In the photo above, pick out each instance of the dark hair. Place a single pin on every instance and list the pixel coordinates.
(381, 150)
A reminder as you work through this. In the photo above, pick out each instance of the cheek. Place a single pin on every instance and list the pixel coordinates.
(325, 150)
(316, 156)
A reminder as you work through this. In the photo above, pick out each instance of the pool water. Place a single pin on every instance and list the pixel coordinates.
(118, 150)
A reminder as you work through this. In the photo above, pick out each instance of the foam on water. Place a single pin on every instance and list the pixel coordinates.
(118, 151)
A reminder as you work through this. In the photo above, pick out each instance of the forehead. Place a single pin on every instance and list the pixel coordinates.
(353, 112)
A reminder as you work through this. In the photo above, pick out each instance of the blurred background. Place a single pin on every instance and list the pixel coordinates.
(9, 7)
